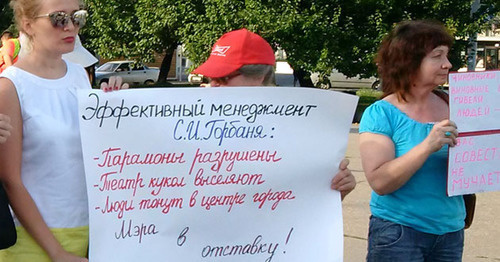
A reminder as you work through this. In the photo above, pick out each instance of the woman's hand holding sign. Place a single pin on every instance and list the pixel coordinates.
(344, 181)
(114, 83)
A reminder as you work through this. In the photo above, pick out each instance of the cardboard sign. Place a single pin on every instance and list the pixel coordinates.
(214, 174)
(474, 163)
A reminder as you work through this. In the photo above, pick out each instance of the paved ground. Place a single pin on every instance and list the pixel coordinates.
(482, 239)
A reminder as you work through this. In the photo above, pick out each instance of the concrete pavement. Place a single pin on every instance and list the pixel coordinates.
(480, 239)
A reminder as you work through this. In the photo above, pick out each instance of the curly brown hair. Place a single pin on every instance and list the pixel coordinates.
(401, 53)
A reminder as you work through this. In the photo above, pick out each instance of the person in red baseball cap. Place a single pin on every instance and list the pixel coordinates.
(243, 58)
(239, 58)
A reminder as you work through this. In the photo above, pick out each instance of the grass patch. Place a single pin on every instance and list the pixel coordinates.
(368, 95)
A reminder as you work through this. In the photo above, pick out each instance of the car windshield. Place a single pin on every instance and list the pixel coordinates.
(108, 67)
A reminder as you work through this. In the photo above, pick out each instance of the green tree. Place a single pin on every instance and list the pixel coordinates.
(6, 17)
(304, 29)
(320, 35)
(317, 35)
(365, 23)
(135, 29)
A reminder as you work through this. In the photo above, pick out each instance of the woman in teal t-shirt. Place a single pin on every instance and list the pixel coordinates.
(404, 142)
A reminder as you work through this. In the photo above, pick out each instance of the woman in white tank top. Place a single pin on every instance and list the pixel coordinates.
(41, 162)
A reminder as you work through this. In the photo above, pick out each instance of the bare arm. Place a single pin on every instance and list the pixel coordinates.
(10, 174)
(7, 59)
(386, 173)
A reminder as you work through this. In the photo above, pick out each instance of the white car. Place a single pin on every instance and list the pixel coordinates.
(131, 72)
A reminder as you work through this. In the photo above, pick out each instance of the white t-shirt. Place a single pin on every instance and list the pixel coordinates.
(52, 162)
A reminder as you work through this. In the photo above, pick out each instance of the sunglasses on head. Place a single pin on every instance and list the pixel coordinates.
(61, 19)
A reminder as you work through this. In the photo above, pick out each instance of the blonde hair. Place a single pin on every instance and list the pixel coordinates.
(25, 9)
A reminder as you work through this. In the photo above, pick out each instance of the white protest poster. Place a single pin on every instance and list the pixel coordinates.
(474, 163)
(214, 174)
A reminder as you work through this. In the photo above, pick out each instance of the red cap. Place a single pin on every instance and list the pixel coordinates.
(234, 50)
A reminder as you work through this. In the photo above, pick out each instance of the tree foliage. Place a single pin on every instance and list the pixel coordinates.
(304, 29)
(135, 29)
(317, 35)
(365, 23)
(6, 17)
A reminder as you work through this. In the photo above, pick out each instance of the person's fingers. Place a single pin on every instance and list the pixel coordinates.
(346, 180)
(343, 172)
(453, 124)
(449, 134)
(3, 136)
(343, 164)
(449, 131)
(118, 83)
(5, 128)
(336, 179)
(444, 132)
(114, 83)
(339, 183)
(5, 125)
(445, 123)
(4, 118)
(104, 86)
(111, 83)
(347, 187)
(341, 178)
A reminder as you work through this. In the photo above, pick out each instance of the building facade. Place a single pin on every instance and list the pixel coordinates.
(488, 48)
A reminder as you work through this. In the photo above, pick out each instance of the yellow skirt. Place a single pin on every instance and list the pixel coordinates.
(73, 240)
